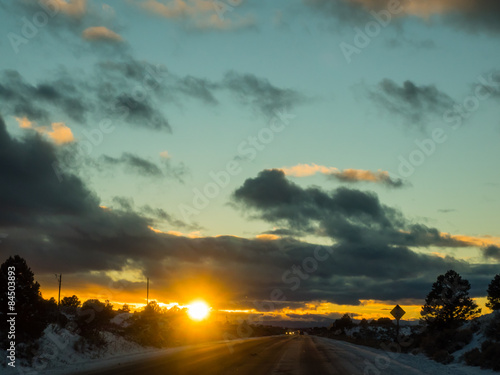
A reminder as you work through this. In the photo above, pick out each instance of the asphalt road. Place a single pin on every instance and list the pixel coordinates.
(284, 355)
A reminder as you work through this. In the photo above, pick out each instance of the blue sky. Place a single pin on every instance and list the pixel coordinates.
(222, 78)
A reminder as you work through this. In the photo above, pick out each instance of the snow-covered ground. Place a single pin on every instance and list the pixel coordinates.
(369, 361)
(59, 351)
(62, 353)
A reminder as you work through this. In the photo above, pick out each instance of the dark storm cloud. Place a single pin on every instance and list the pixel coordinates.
(59, 227)
(260, 94)
(470, 16)
(415, 104)
(492, 252)
(343, 214)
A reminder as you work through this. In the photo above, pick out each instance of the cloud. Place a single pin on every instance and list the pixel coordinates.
(60, 226)
(72, 8)
(305, 170)
(492, 251)
(24, 123)
(414, 104)
(343, 214)
(59, 132)
(346, 175)
(197, 14)
(260, 94)
(146, 168)
(130, 91)
(101, 33)
(70, 20)
(86, 98)
(134, 164)
(471, 16)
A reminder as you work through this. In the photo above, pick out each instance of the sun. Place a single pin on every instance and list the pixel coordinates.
(198, 310)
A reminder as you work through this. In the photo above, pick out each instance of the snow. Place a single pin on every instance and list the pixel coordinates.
(369, 361)
(121, 319)
(63, 352)
(59, 354)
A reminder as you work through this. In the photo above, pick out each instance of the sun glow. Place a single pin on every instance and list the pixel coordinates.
(198, 310)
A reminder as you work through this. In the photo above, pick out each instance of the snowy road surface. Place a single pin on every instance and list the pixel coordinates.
(292, 355)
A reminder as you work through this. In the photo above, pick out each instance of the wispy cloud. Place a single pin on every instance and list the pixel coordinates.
(196, 14)
(471, 16)
(346, 175)
(101, 33)
(414, 104)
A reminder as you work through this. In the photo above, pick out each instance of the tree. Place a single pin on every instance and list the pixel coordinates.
(494, 294)
(448, 304)
(31, 319)
(343, 323)
(124, 309)
(72, 301)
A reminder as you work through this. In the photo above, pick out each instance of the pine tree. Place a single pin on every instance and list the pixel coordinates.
(28, 300)
(448, 303)
(494, 294)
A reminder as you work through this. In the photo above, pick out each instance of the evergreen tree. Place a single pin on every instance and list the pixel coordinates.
(448, 303)
(72, 301)
(25, 299)
(494, 294)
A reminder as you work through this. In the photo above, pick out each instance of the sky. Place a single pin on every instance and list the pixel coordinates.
(287, 160)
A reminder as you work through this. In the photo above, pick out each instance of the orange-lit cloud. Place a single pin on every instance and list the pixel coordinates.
(422, 8)
(59, 132)
(346, 175)
(72, 8)
(101, 33)
(24, 123)
(305, 170)
(194, 234)
(201, 14)
(479, 241)
(267, 237)
(164, 155)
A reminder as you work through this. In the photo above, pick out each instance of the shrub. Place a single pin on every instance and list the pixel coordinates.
(473, 357)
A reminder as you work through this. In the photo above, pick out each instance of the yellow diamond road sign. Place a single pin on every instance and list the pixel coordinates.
(397, 312)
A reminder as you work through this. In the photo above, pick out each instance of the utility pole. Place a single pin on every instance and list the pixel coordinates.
(59, 277)
(59, 299)
(147, 294)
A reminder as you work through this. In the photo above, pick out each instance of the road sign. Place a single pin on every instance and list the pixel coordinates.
(397, 312)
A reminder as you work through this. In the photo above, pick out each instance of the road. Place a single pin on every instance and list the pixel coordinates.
(284, 355)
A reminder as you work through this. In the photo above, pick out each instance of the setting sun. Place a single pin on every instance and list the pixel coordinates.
(198, 310)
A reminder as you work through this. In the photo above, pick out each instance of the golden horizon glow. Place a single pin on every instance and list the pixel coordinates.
(198, 310)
